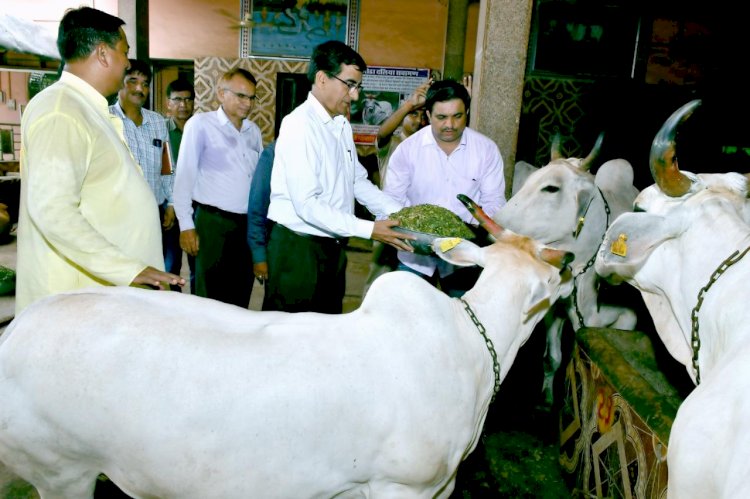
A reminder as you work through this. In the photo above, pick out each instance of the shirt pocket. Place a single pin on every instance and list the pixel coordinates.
(466, 185)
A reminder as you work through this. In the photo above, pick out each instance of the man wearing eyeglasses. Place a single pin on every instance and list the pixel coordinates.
(218, 155)
(180, 106)
(315, 180)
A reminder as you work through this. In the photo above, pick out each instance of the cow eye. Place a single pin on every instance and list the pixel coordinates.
(551, 188)
(638, 209)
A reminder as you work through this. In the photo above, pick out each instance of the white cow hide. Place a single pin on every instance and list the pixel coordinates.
(672, 249)
(175, 396)
(547, 207)
(374, 112)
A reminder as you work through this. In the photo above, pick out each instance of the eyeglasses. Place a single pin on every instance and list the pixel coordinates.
(351, 85)
(181, 100)
(240, 95)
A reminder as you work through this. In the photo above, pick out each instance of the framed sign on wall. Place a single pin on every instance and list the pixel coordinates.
(292, 28)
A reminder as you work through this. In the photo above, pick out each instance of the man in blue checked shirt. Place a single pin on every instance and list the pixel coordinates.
(146, 134)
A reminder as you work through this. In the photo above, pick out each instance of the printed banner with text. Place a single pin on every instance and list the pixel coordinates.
(383, 91)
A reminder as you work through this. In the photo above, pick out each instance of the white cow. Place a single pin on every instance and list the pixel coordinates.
(564, 205)
(685, 249)
(175, 396)
(374, 112)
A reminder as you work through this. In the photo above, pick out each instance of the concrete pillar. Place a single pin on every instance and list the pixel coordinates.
(455, 39)
(135, 15)
(499, 72)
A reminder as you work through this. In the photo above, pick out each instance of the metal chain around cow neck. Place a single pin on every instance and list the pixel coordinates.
(591, 261)
(695, 340)
(490, 347)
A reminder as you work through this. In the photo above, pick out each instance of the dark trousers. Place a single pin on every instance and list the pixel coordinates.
(170, 241)
(223, 266)
(455, 284)
(305, 273)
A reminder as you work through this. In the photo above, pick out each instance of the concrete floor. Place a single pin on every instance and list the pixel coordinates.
(358, 254)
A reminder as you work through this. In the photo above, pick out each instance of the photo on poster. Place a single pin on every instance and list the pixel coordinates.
(374, 106)
(384, 89)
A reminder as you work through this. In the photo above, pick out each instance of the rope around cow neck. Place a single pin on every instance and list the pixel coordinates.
(695, 341)
(490, 347)
(591, 261)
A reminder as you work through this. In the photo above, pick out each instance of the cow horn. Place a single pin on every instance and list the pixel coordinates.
(588, 161)
(478, 213)
(555, 152)
(664, 169)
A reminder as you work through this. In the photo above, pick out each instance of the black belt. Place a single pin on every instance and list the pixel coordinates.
(340, 241)
(240, 217)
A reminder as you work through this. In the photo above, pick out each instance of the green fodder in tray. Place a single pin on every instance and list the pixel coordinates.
(432, 219)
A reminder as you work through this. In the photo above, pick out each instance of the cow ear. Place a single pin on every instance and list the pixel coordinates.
(539, 301)
(629, 242)
(614, 174)
(521, 172)
(458, 251)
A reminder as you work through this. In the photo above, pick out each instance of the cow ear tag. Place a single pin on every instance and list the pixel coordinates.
(619, 247)
(581, 221)
(449, 244)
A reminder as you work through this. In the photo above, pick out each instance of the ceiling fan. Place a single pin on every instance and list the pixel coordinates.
(246, 21)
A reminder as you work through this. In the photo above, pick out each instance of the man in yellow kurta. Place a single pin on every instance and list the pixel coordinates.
(87, 216)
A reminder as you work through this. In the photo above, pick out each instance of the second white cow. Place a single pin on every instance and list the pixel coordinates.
(566, 206)
(175, 396)
(686, 249)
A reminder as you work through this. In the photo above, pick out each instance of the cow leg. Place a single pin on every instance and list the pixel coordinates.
(63, 482)
(404, 491)
(448, 490)
(80, 490)
(29, 449)
(382, 488)
(552, 355)
(55, 476)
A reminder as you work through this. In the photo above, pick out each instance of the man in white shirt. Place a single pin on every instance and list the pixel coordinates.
(315, 180)
(436, 164)
(218, 155)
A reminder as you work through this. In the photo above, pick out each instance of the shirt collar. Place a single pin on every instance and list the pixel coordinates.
(323, 115)
(90, 93)
(224, 120)
(171, 125)
(148, 118)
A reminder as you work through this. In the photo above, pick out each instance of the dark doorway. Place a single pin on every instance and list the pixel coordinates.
(291, 91)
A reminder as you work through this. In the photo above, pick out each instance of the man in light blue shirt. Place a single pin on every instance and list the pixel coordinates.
(218, 156)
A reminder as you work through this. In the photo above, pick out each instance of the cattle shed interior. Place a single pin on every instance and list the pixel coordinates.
(540, 67)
